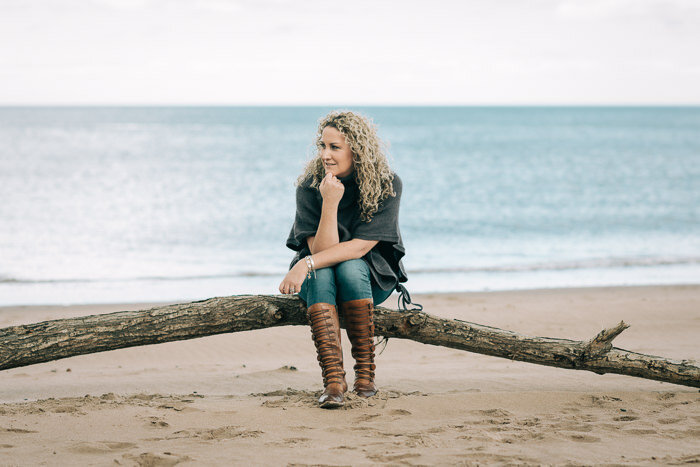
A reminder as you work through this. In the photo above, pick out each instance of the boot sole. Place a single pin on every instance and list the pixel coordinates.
(331, 404)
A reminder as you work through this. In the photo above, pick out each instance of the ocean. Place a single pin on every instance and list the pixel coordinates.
(131, 204)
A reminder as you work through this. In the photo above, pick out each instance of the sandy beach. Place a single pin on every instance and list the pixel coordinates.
(247, 398)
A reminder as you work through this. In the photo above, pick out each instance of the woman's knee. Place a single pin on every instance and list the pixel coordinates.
(353, 280)
(352, 270)
(321, 279)
(320, 287)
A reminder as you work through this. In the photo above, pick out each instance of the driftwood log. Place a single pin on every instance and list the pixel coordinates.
(52, 340)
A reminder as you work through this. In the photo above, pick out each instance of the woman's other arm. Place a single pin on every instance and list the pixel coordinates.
(357, 248)
(343, 251)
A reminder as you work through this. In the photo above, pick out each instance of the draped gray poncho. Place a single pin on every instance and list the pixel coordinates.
(384, 260)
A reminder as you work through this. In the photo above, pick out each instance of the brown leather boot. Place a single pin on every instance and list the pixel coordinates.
(359, 323)
(336, 327)
(325, 329)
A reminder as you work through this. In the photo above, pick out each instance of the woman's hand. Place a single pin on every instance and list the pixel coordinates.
(295, 277)
(331, 189)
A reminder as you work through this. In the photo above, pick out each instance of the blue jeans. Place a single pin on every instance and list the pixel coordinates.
(349, 280)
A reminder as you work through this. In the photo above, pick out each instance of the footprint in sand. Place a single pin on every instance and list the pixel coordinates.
(367, 417)
(583, 438)
(533, 421)
(68, 409)
(227, 432)
(161, 460)
(641, 431)
(391, 457)
(302, 427)
(411, 440)
(574, 427)
(364, 430)
(493, 412)
(293, 441)
(179, 406)
(489, 459)
(668, 421)
(435, 429)
(157, 422)
(16, 430)
(602, 400)
(500, 417)
(625, 418)
(99, 447)
(288, 442)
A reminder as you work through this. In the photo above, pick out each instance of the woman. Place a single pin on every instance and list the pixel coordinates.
(348, 244)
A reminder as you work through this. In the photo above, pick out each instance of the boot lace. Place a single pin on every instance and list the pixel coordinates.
(404, 300)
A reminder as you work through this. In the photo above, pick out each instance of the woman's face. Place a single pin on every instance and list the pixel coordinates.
(335, 152)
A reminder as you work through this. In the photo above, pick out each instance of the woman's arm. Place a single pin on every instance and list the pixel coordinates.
(352, 249)
(331, 190)
(327, 233)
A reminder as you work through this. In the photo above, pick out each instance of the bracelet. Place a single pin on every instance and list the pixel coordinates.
(310, 267)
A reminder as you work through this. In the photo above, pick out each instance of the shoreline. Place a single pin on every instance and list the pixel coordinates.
(145, 304)
(187, 290)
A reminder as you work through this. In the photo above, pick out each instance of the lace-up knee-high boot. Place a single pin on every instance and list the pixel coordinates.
(359, 323)
(325, 329)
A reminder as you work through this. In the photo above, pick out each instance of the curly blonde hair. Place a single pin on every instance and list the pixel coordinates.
(371, 168)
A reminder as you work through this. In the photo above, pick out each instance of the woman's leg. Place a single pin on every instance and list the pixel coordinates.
(323, 288)
(356, 303)
(379, 295)
(353, 280)
(319, 288)
(319, 292)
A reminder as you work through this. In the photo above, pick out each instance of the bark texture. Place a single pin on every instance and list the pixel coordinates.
(52, 340)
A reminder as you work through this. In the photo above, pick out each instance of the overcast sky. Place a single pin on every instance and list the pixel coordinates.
(228, 52)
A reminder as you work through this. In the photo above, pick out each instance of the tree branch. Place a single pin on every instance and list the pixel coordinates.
(52, 340)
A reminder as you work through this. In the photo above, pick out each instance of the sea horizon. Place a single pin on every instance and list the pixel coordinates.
(120, 203)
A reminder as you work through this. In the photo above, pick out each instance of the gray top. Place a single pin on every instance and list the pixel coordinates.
(384, 260)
